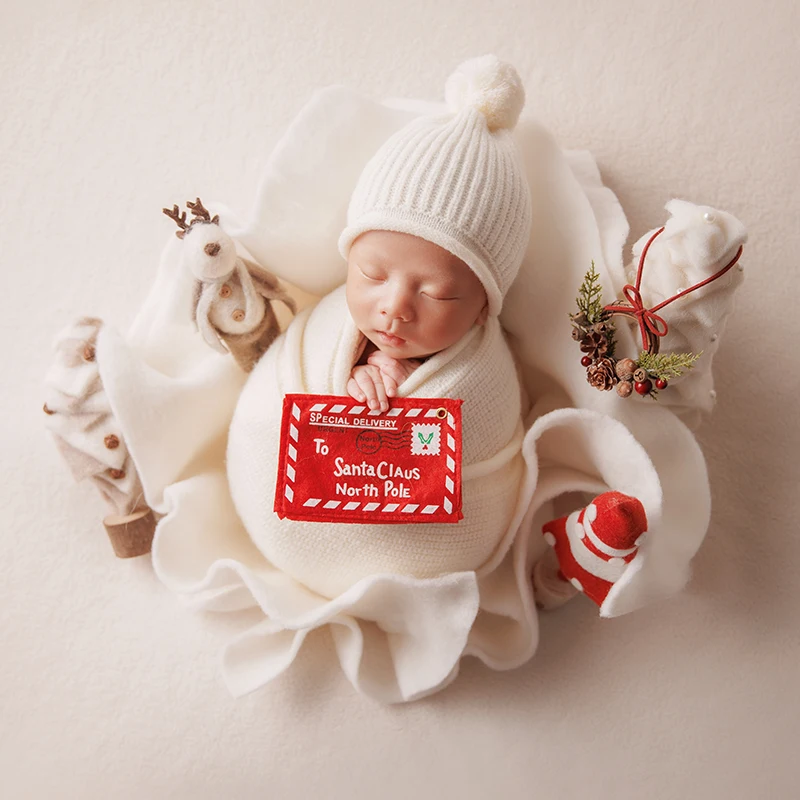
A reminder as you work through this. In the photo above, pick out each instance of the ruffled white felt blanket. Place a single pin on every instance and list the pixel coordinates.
(399, 632)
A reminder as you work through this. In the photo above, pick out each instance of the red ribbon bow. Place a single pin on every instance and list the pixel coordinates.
(648, 320)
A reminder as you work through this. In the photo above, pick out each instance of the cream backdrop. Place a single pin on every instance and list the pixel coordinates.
(108, 689)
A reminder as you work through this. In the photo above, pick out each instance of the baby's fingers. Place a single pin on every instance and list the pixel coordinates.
(389, 384)
(388, 366)
(382, 400)
(354, 390)
(372, 385)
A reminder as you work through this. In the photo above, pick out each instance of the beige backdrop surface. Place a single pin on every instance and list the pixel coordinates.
(108, 689)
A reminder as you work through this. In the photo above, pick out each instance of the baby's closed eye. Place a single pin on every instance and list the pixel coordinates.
(434, 296)
(371, 274)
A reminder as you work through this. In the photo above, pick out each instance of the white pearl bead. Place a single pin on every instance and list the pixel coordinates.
(681, 289)
(709, 217)
(714, 337)
(713, 394)
(740, 267)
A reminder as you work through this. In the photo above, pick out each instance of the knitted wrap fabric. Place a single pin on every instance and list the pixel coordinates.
(315, 355)
(456, 179)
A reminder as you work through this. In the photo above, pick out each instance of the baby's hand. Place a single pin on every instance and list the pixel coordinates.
(369, 385)
(393, 369)
(377, 380)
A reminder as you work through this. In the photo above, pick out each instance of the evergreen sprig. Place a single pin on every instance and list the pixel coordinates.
(590, 297)
(612, 340)
(667, 365)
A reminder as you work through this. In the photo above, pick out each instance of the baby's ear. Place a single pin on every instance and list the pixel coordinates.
(483, 315)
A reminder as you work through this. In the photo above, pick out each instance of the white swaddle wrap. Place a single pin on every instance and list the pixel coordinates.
(316, 356)
(400, 624)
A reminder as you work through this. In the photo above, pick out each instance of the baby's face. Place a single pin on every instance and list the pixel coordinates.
(410, 297)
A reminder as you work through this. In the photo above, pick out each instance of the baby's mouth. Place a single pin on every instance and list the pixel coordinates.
(390, 339)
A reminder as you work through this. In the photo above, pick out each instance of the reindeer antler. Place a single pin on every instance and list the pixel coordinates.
(201, 212)
(180, 220)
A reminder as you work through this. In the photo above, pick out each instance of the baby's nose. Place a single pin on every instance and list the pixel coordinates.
(397, 306)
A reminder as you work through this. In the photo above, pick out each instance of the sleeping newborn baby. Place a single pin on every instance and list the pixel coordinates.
(437, 227)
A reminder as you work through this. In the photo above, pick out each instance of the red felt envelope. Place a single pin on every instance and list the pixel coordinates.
(341, 462)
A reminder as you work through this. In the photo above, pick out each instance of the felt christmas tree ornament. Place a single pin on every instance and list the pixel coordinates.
(90, 439)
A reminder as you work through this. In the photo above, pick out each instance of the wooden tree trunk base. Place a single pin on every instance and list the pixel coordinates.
(131, 535)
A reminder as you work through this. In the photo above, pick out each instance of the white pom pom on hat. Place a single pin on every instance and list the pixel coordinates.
(456, 179)
(490, 86)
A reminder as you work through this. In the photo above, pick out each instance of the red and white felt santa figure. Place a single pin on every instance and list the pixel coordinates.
(591, 549)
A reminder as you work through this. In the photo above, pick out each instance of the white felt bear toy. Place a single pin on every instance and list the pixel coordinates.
(697, 242)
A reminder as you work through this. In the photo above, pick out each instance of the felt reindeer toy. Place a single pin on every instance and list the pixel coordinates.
(231, 308)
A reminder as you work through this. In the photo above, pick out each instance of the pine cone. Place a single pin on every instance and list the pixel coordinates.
(601, 375)
(595, 345)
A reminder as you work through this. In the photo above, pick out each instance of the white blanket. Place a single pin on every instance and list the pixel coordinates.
(398, 636)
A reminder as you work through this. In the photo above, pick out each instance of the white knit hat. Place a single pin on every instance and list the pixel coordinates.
(456, 180)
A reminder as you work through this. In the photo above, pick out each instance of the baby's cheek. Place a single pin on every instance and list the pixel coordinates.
(352, 295)
(360, 304)
(448, 327)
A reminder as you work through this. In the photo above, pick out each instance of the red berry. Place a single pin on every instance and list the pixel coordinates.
(585, 361)
(643, 387)
(661, 383)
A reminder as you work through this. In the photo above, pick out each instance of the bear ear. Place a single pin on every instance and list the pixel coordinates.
(680, 208)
